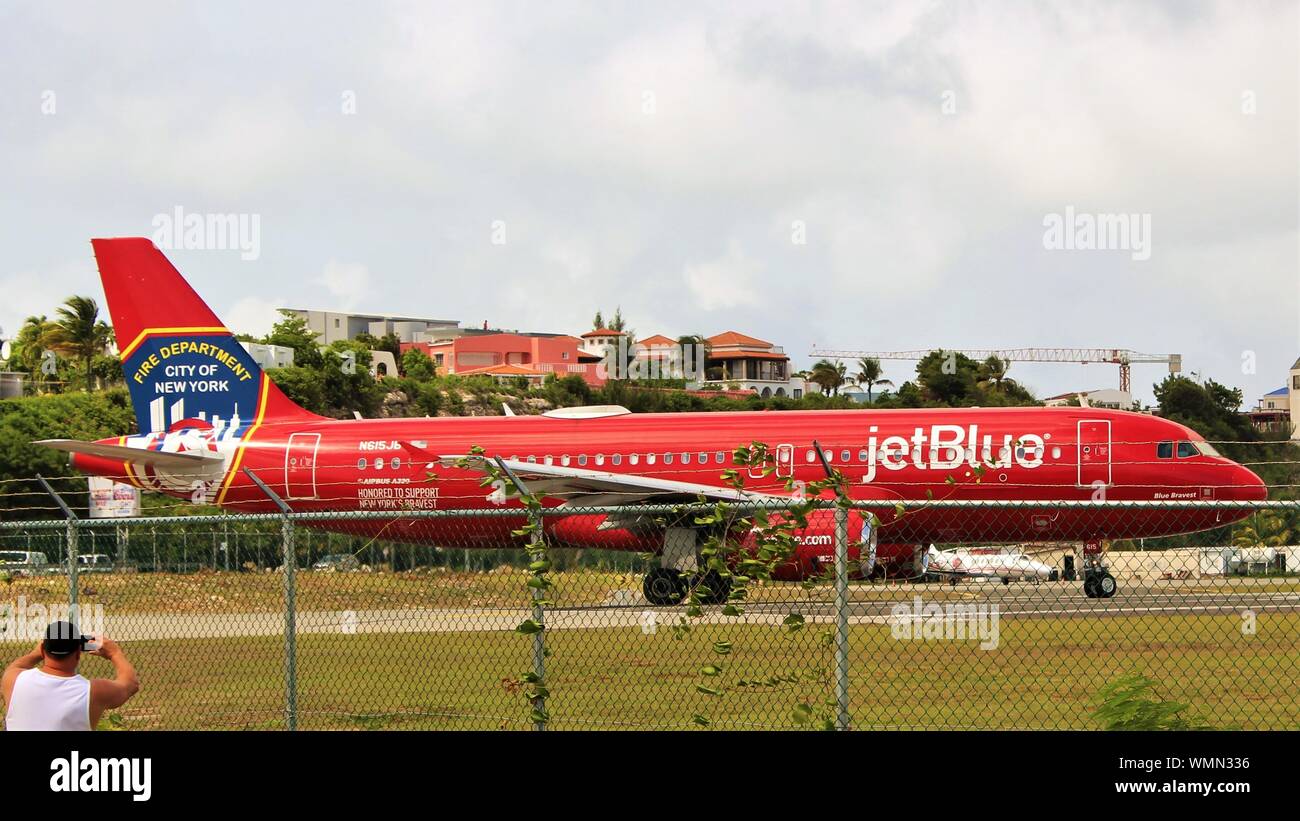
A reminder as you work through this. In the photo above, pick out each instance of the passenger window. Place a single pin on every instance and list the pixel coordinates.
(650, 458)
(582, 458)
(564, 460)
(810, 456)
(668, 458)
(862, 455)
(845, 456)
(1186, 449)
(686, 458)
(1165, 450)
(704, 457)
(720, 457)
(617, 458)
(600, 458)
(634, 458)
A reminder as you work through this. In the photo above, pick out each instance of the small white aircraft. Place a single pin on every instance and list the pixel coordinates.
(955, 565)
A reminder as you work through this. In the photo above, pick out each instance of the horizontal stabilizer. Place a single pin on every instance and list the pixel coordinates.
(139, 456)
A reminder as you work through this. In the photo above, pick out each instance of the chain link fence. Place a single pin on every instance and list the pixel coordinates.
(818, 616)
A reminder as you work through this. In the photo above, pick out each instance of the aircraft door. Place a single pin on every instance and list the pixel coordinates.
(1094, 452)
(300, 465)
(784, 460)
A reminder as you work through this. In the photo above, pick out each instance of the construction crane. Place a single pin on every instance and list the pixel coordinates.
(1077, 356)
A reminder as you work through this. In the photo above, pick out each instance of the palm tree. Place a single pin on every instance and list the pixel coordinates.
(80, 333)
(1266, 529)
(993, 371)
(829, 375)
(29, 346)
(869, 372)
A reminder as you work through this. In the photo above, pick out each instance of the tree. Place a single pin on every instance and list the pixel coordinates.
(293, 332)
(948, 378)
(598, 324)
(869, 373)
(79, 333)
(1265, 529)
(829, 375)
(416, 364)
(992, 372)
(617, 323)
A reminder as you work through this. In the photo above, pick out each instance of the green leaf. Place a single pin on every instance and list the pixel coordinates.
(529, 627)
(802, 713)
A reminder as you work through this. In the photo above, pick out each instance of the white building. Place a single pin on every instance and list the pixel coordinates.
(269, 356)
(331, 326)
(1105, 398)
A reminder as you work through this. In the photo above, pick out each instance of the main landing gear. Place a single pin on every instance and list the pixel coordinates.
(668, 586)
(678, 573)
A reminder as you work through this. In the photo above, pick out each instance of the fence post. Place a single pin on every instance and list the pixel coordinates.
(290, 603)
(842, 503)
(842, 617)
(71, 538)
(539, 615)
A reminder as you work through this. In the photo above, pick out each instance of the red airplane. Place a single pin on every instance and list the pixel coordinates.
(207, 414)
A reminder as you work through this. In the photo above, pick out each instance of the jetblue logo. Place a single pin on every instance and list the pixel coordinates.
(123, 775)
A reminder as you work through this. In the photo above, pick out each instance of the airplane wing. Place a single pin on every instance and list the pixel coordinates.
(579, 487)
(175, 462)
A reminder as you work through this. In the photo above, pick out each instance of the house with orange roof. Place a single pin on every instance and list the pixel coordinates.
(750, 363)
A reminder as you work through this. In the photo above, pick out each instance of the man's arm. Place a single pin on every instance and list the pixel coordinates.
(15, 667)
(105, 694)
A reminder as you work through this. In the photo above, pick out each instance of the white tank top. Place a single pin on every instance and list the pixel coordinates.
(42, 701)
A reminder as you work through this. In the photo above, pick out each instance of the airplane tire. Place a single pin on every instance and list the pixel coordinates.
(713, 587)
(663, 585)
(1105, 586)
(1090, 586)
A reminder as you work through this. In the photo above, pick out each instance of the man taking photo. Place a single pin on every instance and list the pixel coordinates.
(54, 696)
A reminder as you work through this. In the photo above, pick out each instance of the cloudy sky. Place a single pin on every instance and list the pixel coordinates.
(865, 175)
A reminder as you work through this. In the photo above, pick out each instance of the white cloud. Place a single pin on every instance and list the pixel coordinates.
(724, 283)
(253, 315)
(347, 283)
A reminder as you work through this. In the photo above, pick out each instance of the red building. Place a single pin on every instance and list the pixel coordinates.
(527, 355)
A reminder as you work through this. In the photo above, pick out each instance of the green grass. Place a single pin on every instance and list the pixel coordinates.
(1045, 673)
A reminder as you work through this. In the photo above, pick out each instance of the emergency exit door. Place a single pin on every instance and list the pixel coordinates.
(300, 465)
(1094, 452)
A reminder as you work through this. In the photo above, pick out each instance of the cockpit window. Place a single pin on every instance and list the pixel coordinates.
(1165, 450)
(1208, 450)
(1186, 449)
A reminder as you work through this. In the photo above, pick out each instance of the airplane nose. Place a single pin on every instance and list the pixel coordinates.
(1248, 487)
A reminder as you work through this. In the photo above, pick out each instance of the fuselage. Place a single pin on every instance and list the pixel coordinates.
(890, 456)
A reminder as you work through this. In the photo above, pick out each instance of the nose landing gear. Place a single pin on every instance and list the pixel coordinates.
(1097, 581)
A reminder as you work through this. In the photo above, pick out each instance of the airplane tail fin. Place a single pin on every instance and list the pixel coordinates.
(179, 361)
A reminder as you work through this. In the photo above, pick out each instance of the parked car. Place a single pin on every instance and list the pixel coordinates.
(94, 563)
(338, 562)
(22, 562)
(86, 563)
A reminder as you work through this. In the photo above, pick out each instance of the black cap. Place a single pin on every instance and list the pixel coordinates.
(62, 638)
